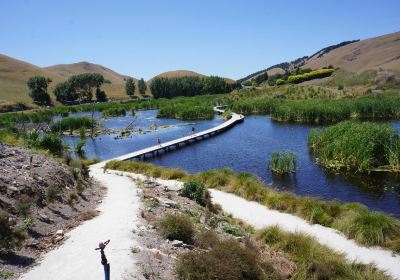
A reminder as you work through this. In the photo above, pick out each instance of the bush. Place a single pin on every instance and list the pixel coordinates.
(226, 260)
(177, 227)
(206, 240)
(316, 74)
(52, 143)
(195, 191)
(24, 204)
(10, 237)
(51, 194)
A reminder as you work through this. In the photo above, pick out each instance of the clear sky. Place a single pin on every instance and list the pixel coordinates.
(231, 38)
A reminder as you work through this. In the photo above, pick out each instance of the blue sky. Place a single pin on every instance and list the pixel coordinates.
(220, 37)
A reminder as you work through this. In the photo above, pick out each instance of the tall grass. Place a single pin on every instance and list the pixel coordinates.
(72, 123)
(114, 112)
(359, 146)
(283, 162)
(313, 260)
(353, 219)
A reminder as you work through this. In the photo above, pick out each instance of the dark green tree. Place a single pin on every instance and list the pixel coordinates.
(130, 87)
(79, 87)
(38, 89)
(101, 96)
(142, 86)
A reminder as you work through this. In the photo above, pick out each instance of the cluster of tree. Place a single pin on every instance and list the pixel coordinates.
(190, 86)
(80, 88)
(130, 87)
(38, 90)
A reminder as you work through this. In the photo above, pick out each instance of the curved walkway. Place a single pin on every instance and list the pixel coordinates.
(76, 258)
(236, 118)
(260, 217)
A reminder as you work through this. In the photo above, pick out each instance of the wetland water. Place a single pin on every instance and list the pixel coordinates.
(247, 147)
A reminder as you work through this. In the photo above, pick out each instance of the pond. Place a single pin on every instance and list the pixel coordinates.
(247, 147)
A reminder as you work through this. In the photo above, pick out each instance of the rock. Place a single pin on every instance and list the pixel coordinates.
(11, 188)
(177, 243)
(167, 202)
(45, 219)
(60, 232)
(58, 238)
(202, 219)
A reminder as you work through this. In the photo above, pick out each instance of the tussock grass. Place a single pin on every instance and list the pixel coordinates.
(313, 260)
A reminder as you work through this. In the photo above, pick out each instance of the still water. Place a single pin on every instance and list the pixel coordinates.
(247, 148)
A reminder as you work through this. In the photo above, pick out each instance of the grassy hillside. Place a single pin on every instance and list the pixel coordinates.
(379, 52)
(14, 73)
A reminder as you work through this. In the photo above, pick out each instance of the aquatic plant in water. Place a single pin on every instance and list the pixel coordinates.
(283, 162)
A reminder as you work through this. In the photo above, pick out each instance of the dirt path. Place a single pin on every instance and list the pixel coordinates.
(260, 217)
(76, 258)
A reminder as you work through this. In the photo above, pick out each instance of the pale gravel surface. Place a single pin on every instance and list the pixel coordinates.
(76, 258)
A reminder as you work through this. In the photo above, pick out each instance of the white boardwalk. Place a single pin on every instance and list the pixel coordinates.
(236, 118)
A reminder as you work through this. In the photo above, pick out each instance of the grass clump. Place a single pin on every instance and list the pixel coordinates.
(226, 260)
(283, 162)
(362, 147)
(371, 228)
(177, 227)
(313, 260)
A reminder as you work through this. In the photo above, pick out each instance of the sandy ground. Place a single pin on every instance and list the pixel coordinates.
(77, 259)
(260, 217)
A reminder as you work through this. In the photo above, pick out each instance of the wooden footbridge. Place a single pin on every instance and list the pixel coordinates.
(175, 144)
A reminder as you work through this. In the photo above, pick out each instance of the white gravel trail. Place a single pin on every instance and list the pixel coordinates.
(260, 217)
(76, 258)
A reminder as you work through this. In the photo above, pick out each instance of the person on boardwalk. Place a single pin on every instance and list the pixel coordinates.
(159, 141)
(193, 129)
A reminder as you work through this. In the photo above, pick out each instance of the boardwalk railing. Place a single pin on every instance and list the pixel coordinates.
(175, 144)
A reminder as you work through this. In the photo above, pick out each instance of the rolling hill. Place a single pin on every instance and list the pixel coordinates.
(14, 73)
(381, 52)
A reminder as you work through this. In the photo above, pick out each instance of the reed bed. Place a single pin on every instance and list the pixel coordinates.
(363, 147)
(283, 162)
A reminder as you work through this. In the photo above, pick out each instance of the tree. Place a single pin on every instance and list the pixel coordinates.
(38, 89)
(142, 86)
(101, 96)
(130, 87)
(79, 87)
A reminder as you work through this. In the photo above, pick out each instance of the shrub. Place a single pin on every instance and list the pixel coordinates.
(52, 143)
(206, 240)
(10, 237)
(283, 162)
(177, 227)
(316, 74)
(226, 260)
(195, 191)
(51, 194)
(24, 204)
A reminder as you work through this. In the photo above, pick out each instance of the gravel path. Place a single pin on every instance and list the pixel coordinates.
(260, 217)
(76, 258)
